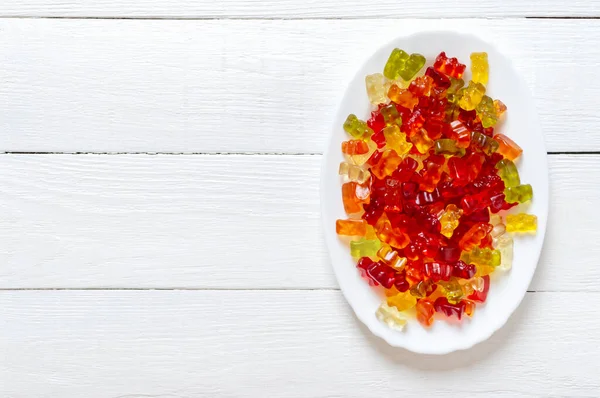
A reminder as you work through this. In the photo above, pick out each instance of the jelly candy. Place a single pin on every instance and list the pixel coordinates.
(361, 159)
(422, 141)
(453, 291)
(518, 194)
(351, 227)
(400, 64)
(390, 257)
(357, 128)
(364, 248)
(390, 235)
(425, 312)
(487, 112)
(508, 172)
(504, 244)
(474, 236)
(484, 143)
(376, 88)
(521, 222)
(471, 95)
(354, 195)
(391, 115)
(386, 165)
(447, 146)
(423, 289)
(481, 256)
(376, 273)
(480, 67)
(443, 306)
(421, 86)
(353, 172)
(355, 147)
(449, 66)
(449, 220)
(396, 140)
(507, 147)
(391, 317)
(402, 301)
(438, 271)
(402, 97)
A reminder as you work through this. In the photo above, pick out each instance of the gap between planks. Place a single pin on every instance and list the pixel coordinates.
(258, 18)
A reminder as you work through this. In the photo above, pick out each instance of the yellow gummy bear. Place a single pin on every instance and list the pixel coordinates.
(396, 140)
(521, 222)
(402, 301)
(449, 220)
(471, 96)
(480, 67)
(391, 317)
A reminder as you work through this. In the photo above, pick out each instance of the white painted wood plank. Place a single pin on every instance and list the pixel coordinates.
(229, 221)
(246, 85)
(276, 344)
(298, 9)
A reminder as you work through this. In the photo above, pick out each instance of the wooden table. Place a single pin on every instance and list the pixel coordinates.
(160, 219)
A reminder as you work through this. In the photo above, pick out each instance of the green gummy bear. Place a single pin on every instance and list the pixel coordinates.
(508, 172)
(400, 64)
(487, 112)
(364, 247)
(357, 128)
(483, 256)
(520, 193)
(446, 146)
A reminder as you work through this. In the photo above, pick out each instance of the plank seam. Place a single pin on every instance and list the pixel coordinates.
(312, 18)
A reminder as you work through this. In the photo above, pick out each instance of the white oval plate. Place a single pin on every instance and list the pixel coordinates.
(521, 124)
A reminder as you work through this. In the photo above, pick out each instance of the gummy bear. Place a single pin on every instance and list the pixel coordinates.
(386, 165)
(471, 95)
(460, 134)
(481, 256)
(484, 143)
(480, 67)
(353, 172)
(390, 257)
(376, 88)
(518, 194)
(402, 97)
(442, 305)
(351, 227)
(508, 172)
(425, 312)
(390, 235)
(487, 112)
(452, 290)
(361, 159)
(507, 147)
(400, 64)
(354, 195)
(481, 295)
(396, 140)
(438, 271)
(521, 222)
(504, 243)
(446, 146)
(463, 270)
(449, 66)
(391, 317)
(364, 248)
(355, 147)
(391, 115)
(422, 141)
(357, 128)
(376, 273)
(450, 220)
(421, 86)
(402, 301)
(474, 235)
(423, 289)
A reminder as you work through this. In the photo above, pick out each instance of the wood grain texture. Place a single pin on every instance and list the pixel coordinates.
(288, 344)
(220, 222)
(297, 8)
(246, 85)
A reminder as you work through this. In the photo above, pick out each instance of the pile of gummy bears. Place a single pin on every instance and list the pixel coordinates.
(424, 180)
